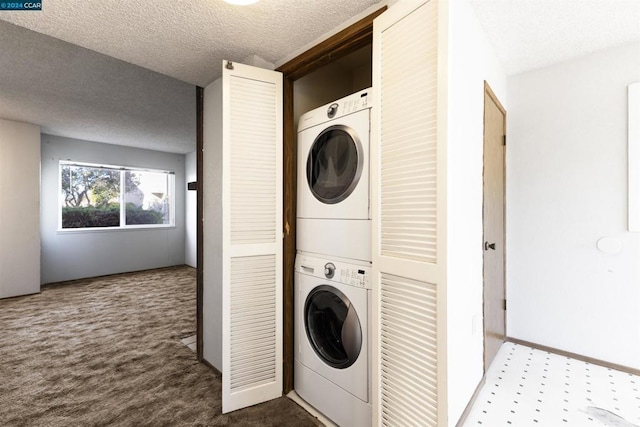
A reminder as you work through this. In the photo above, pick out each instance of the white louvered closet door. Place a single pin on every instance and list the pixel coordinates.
(408, 217)
(252, 236)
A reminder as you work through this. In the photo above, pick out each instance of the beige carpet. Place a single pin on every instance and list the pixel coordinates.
(107, 352)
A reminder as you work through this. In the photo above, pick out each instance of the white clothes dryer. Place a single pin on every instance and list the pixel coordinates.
(332, 337)
(333, 212)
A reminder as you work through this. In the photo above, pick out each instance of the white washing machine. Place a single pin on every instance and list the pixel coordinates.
(332, 337)
(333, 212)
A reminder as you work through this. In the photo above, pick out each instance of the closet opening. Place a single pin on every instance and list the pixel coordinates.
(336, 67)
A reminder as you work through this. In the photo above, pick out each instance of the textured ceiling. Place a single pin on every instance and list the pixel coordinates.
(81, 81)
(75, 92)
(124, 72)
(188, 40)
(529, 34)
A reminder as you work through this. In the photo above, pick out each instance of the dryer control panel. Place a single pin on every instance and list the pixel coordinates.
(358, 101)
(355, 103)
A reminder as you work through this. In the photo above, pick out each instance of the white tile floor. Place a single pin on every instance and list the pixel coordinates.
(528, 387)
(190, 342)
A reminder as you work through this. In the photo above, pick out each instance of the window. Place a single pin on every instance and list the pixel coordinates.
(100, 196)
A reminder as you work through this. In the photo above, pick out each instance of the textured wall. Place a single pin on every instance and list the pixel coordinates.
(73, 255)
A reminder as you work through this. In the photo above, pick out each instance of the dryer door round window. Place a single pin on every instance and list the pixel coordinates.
(332, 326)
(334, 164)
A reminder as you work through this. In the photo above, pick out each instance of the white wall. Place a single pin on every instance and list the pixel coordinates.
(19, 208)
(567, 188)
(212, 245)
(471, 62)
(191, 212)
(78, 254)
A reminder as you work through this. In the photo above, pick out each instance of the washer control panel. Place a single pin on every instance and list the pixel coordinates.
(348, 272)
(355, 277)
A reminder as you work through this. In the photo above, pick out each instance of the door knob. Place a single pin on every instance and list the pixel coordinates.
(488, 246)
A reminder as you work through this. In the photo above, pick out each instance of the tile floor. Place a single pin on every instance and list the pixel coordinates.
(190, 342)
(529, 387)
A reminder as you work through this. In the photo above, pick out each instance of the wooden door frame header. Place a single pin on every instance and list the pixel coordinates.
(335, 47)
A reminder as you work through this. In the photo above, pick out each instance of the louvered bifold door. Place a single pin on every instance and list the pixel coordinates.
(407, 183)
(252, 236)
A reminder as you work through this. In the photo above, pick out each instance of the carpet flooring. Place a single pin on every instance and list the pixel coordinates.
(107, 352)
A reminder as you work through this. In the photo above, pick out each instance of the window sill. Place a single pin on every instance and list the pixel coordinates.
(111, 229)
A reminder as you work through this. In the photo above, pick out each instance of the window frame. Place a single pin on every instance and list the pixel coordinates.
(171, 189)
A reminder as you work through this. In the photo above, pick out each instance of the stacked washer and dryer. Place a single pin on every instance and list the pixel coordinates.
(333, 264)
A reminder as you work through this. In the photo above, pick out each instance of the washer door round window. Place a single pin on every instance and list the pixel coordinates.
(334, 164)
(332, 326)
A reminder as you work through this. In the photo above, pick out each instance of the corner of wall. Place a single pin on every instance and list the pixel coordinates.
(19, 208)
(471, 62)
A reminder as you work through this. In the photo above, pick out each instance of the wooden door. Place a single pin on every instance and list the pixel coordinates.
(251, 236)
(493, 225)
(408, 170)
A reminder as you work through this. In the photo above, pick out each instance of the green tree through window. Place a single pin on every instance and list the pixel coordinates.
(92, 196)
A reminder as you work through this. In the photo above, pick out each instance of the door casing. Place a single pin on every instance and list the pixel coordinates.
(494, 299)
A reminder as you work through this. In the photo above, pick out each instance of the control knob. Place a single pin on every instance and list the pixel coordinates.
(329, 270)
(332, 110)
